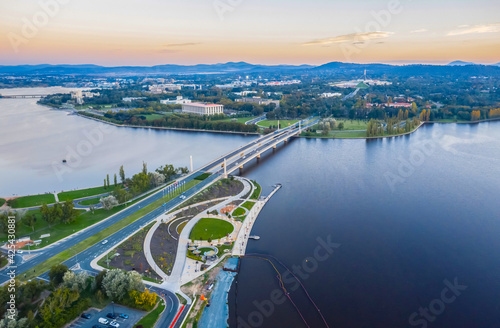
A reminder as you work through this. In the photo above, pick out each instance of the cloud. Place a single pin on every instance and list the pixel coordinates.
(187, 44)
(422, 30)
(353, 37)
(476, 29)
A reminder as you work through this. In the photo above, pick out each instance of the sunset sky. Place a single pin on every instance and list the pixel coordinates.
(153, 32)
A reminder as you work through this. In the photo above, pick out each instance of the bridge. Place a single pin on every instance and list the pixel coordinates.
(22, 96)
(220, 168)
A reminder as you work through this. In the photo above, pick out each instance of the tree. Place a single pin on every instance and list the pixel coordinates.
(105, 184)
(69, 213)
(118, 283)
(74, 281)
(30, 221)
(156, 178)
(107, 179)
(122, 174)
(116, 181)
(56, 274)
(140, 183)
(145, 168)
(341, 126)
(183, 170)
(121, 195)
(168, 171)
(108, 202)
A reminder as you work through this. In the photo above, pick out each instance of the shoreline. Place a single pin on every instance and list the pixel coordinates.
(165, 128)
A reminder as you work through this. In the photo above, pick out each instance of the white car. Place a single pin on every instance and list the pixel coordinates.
(19, 252)
(105, 242)
(103, 321)
(114, 324)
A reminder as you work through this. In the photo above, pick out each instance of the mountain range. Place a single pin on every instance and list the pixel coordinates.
(453, 68)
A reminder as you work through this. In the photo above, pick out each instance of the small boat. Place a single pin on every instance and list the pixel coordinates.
(64, 161)
(254, 237)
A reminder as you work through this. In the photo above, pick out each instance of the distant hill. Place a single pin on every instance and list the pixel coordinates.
(497, 64)
(144, 70)
(460, 63)
(457, 69)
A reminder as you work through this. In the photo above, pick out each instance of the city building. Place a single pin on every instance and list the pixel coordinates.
(259, 100)
(178, 101)
(330, 94)
(202, 109)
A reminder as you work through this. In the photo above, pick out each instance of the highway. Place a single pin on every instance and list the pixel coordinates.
(233, 161)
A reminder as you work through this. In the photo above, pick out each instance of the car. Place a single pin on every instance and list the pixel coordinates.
(19, 252)
(123, 316)
(111, 315)
(86, 315)
(105, 242)
(103, 321)
(114, 324)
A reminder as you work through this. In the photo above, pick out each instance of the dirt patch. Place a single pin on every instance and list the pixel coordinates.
(223, 188)
(132, 256)
(227, 209)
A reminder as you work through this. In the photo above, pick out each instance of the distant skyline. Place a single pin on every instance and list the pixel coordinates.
(156, 32)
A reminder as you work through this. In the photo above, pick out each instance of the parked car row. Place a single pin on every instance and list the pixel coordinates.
(105, 321)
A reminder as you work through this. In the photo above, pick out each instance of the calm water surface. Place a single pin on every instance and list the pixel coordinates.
(408, 213)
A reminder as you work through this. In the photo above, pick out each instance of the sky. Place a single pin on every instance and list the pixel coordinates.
(156, 32)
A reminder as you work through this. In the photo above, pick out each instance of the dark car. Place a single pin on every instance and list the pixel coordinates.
(86, 315)
(111, 315)
(97, 326)
(123, 316)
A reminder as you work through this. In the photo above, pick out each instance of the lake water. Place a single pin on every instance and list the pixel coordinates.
(407, 214)
(406, 217)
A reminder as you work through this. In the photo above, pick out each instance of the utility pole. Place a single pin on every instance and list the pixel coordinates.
(225, 171)
(191, 159)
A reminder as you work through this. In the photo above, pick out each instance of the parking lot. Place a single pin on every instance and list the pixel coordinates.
(133, 317)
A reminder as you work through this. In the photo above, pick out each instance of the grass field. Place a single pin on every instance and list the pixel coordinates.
(152, 117)
(150, 319)
(72, 251)
(203, 176)
(352, 124)
(92, 201)
(2, 201)
(31, 201)
(240, 119)
(81, 193)
(257, 191)
(248, 205)
(283, 123)
(239, 211)
(208, 228)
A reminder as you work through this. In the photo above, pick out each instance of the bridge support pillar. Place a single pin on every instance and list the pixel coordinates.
(274, 146)
(225, 169)
(258, 156)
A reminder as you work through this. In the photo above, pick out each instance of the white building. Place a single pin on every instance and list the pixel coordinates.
(178, 101)
(202, 109)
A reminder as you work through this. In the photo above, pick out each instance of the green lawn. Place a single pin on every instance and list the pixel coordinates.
(152, 117)
(248, 205)
(203, 176)
(208, 228)
(239, 211)
(240, 119)
(150, 319)
(352, 124)
(2, 201)
(72, 251)
(257, 191)
(31, 201)
(81, 193)
(92, 201)
(283, 123)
